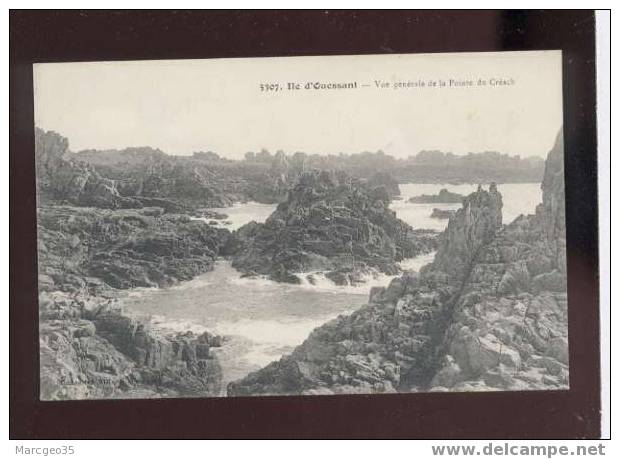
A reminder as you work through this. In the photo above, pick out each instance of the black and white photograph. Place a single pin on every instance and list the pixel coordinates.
(310, 226)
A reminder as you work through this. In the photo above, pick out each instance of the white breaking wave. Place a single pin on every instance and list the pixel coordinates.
(416, 263)
(321, 283)
(176, 325)
(266, 319)
(317, 280)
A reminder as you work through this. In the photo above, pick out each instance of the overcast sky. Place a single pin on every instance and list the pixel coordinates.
(198, 105)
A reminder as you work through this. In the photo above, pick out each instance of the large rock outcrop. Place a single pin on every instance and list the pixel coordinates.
(551, 213)
(389, 344)
(200, 180)
(89, 349)
(61, 179)
(329, 223)
(182, 183)
(488, 314)
(123, 248)
(472, 227)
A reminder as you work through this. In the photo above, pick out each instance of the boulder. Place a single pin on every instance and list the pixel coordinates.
(376, 293)
(394, 291)
(553, 281)
(515, 279)
(449, 373)
(558, 349)
(538, 264)
(488, 352)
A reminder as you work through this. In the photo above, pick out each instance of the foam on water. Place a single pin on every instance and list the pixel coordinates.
(320, 283)
(317, 281)
(416, 263)
(176, 326)
(266, 319)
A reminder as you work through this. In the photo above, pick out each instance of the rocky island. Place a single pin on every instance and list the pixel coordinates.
(489, 313)
(443, 197)
(329, 223)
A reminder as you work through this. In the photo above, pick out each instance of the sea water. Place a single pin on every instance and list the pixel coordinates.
(518, 198)
(262, 319)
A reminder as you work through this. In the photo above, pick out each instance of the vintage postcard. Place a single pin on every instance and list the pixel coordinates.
(301, 226)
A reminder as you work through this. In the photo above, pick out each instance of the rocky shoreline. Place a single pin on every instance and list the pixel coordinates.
(94, 242)
(98, 237)
(89, 347)
(489, 313)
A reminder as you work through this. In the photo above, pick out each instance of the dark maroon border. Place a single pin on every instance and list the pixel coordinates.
(51, 36)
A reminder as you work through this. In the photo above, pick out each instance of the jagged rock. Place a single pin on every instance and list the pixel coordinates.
(79, 365)
(467, 322)
(538, 264)
(329, 223)
(387, 181)
(515, 279)
(375, 294)
(552, 365)
(110, 355)
(558, 349)
(123, 248)
(204, 179)
(134, 340)
(89, 348)
(400, 328)
(552, 211)
(473, 226)
(486, 352)
(394, 291)
(448, 375)
(498, 377)
(61, 179)
(443, 197)
(83, 328)
(442, 214)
